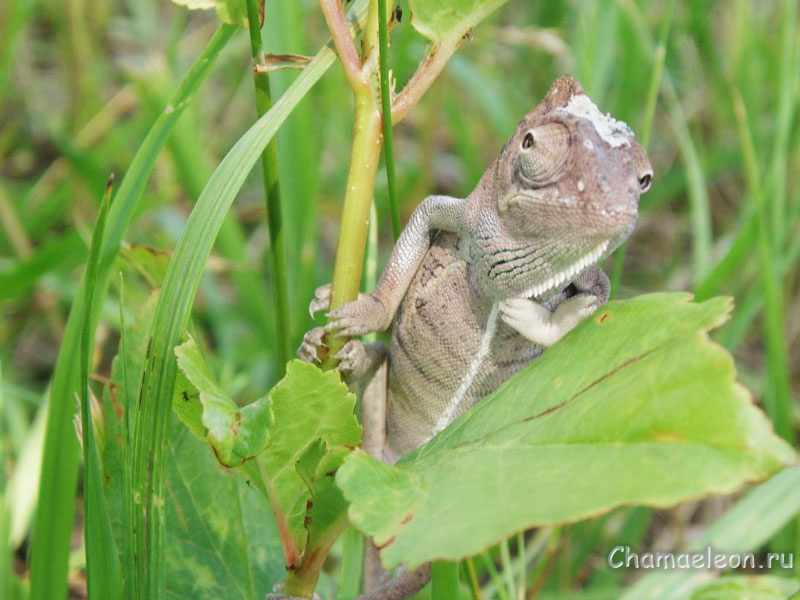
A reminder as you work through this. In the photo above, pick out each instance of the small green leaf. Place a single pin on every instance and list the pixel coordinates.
(635, 406)
(442, 20)
(235, 433)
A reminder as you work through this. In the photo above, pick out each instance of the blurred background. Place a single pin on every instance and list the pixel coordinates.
(82, 82)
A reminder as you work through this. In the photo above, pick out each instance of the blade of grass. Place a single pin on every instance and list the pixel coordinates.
(286, 30)
(700, 214)
(172, 314)
(787, 102)
(193, 170)
(386, 113)
(659, 57)
(444, 581)
(778, 399)
(272, 196)
(53, 524)
(6, 576)
(508, 568)
(103, 569)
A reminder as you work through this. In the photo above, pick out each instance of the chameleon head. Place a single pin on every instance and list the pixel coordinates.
(571, 180)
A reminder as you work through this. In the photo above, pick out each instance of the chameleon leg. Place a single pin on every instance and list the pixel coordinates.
(542, 326)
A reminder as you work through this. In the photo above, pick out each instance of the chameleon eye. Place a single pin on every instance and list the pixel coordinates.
(527, 141)
(645, 181)
(545, 152)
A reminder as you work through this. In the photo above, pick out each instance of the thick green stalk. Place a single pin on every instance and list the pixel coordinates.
(272, 194)
(364, 159)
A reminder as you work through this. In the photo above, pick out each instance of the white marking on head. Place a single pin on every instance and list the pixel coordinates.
(614, 133)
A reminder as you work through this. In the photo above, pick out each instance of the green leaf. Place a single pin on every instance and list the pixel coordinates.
(635, 406)
(236, 434)
(747, 587)
(298, 434)
(221, 538)
(309, 405)
(448, 20)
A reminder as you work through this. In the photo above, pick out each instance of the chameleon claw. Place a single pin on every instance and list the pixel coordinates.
(312, 341)
(321, 301)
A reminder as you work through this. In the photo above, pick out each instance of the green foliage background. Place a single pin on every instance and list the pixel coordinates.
(82, 83)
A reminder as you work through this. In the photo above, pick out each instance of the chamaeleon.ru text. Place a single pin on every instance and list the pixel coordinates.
(622, 557)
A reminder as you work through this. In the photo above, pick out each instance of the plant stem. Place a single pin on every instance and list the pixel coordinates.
(423, 77)
(272, 195)
(364, 159)
(333, 11)
(302, 582)
(386, 112)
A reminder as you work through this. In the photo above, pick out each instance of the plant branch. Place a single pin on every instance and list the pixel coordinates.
(425, 75)
(333, 11)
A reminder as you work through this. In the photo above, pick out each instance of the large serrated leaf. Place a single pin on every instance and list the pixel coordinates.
(636, 406)
(221, 536)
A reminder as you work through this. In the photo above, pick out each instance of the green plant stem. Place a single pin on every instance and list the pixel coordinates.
(386, 112)
(272, 195)
(302, 582)
(350, 572)
(355, 217)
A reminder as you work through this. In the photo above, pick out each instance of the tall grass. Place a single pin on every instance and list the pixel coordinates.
(711, 87)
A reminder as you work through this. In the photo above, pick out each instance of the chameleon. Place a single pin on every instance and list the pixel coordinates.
(476, 288)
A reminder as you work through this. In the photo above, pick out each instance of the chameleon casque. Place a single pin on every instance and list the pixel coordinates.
(478, 287)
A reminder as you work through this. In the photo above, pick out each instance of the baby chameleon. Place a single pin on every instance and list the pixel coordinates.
(478, 287)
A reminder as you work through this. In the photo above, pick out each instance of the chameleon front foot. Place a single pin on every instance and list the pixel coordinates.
(313, 341)
(365, 314)
(354, 358)
(542, 326)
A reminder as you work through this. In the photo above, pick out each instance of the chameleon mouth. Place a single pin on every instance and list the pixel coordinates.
(558, 279)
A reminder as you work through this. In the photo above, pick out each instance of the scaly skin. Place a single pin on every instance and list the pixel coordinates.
(479, 287)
